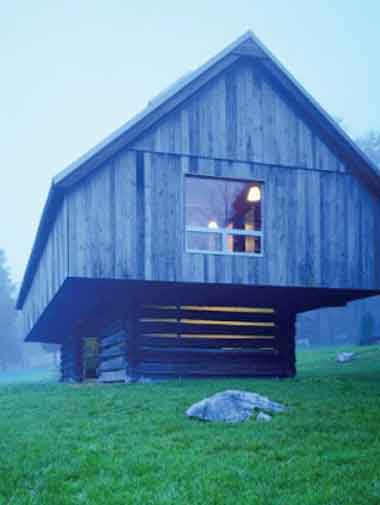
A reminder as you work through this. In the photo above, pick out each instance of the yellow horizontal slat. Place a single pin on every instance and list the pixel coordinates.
(248, 337)
(188, 335)
(212, 308)
(207, 322)
(225, 323)
(250, 310)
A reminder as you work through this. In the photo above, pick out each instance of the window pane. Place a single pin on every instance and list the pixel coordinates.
(244, 243)
(219, 203)
(204, 241)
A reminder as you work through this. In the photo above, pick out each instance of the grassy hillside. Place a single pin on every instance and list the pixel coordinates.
(91, 444)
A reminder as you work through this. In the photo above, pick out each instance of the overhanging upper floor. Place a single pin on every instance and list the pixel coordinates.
(83, 307)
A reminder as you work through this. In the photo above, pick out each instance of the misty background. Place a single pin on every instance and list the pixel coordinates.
(72, 72)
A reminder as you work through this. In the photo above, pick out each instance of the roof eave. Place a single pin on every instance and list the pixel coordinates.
(53, 200)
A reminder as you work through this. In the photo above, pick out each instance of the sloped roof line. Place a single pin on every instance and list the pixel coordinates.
(248, 36)
(313, 102)
(152, 105)
(58, 181)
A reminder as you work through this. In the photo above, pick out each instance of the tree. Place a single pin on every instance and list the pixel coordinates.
(367, 328)
(370, 144)
(10, 349)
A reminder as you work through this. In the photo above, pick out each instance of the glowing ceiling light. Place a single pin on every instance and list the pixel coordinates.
(254, 194)
(213, 225)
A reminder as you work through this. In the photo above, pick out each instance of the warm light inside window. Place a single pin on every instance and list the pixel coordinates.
(254, 194)
(223, 215)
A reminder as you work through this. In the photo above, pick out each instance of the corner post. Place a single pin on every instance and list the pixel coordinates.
(132, 332)
(286, 335)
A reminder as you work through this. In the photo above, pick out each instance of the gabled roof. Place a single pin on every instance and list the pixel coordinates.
(248, 45)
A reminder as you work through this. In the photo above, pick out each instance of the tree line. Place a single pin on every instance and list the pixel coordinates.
(14, 353)
(10, 345)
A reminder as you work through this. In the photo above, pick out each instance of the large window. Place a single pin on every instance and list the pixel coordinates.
(223, 216)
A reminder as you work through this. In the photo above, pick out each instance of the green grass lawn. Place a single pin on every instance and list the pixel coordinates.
(132, 444)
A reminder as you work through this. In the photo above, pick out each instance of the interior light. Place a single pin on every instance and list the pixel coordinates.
(254, 194)
(213, 225)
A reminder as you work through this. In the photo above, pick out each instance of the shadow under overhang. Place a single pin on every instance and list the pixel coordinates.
(85, 306)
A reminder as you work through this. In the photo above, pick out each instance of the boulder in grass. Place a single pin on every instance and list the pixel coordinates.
(344, 357)
(232, 406)
(263, 418)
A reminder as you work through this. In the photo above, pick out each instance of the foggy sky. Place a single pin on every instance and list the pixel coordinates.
(73, 71)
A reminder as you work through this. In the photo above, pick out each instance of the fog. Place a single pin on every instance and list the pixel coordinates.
(73, 72)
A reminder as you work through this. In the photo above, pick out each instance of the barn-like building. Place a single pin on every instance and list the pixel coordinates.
(187, 241)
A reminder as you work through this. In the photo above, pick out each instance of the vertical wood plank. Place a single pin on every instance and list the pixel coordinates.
(125, 215)
(140, 216)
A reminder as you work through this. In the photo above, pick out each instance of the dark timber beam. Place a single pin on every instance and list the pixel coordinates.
(132, 346)
(72, 359)
(286, 337)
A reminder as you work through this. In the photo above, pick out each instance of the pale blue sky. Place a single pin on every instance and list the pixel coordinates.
(73, 71)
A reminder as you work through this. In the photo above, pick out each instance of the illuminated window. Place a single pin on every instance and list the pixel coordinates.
(223, 216)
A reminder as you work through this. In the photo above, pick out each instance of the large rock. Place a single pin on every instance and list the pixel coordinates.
(263, 418)
(344, 357)
(231, 406)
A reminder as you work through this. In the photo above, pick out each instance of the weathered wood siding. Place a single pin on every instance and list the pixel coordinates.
(102, 221)
(242, 115)
(319, 226)
(52, 270)
(126, 220)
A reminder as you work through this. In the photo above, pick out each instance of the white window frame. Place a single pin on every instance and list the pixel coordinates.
(225, 232)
